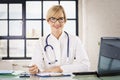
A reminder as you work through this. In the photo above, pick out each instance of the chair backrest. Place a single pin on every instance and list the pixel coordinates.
(109, 56)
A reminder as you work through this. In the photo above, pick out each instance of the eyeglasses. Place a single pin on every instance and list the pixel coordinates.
(60, 20)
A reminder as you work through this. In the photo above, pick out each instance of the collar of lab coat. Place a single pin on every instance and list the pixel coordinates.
(61, 36)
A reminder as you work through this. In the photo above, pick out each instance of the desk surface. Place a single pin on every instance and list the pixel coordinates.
(79, 77)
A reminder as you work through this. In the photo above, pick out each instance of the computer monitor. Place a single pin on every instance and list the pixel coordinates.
(109, 56)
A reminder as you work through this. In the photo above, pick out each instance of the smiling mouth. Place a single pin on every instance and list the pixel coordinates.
(57, 27)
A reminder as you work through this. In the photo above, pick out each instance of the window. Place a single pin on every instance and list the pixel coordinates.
(22, 22)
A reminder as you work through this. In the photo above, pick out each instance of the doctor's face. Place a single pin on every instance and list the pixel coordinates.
(57, 22)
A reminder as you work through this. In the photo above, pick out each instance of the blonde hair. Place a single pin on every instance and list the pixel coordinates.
(54, 11)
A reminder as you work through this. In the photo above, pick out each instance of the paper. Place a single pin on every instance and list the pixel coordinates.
(53, 74)
(6, 71)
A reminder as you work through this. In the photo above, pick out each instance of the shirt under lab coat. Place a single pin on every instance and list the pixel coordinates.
(76, 62)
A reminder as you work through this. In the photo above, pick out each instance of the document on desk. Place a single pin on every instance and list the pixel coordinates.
(53, 74)
(6, 71)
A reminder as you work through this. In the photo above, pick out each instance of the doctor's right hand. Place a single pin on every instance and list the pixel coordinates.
(34, 69)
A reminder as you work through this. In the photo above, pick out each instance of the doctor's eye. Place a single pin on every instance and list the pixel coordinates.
(61, 19)
(52, 19)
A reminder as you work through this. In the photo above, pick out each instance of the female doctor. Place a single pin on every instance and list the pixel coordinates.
(58, 51)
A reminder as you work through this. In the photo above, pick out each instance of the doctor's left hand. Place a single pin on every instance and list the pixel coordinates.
(33, 69)
(54, 69)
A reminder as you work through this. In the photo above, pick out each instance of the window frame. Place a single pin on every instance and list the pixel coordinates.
(23, 37)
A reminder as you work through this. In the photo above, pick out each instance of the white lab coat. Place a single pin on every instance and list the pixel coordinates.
(80, 64)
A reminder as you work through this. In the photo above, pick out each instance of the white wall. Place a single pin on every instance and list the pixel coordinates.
(14, 65)
(5, 65)
(100, 18)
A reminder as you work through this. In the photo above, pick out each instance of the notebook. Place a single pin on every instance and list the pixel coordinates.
(109, 58)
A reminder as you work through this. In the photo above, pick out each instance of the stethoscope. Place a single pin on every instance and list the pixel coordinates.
(51, 47)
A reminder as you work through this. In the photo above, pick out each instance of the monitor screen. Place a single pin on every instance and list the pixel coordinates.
(109, 56)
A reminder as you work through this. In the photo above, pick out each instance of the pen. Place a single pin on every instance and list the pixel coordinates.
(26, 66)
